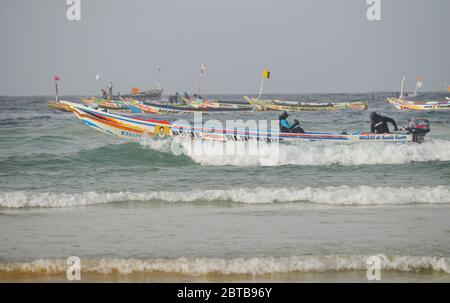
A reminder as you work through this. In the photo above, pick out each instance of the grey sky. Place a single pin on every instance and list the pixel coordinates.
(309, 46)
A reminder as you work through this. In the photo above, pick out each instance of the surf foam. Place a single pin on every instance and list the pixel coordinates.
(305, 153)
(332, 195)
(233, 266)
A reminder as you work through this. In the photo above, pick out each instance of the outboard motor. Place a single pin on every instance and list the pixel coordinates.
(419, 127)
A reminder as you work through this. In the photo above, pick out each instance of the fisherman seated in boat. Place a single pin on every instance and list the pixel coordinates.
(296, 128)
(284, 124)
(379, 124)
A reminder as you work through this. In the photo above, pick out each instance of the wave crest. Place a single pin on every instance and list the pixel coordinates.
(234, 266)
(332, 195)
(302, 153)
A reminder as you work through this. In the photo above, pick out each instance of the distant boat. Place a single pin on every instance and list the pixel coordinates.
(218, 104)
(151, 94)
(408, 102)
(173, 108)
(292, 106)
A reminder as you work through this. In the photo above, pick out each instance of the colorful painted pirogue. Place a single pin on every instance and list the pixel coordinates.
(403, 104)
(201, 103)
(278, 105)
(410, 102)
(187, 107)
(138, 128)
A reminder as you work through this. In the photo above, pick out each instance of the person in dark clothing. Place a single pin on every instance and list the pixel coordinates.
(379, 124)
(296, 128)
(104, 94)
(284, 124)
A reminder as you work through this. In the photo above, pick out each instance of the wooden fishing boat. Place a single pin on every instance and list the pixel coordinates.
(171, 108)
(408, 104)
(279, 105)
(139, 128)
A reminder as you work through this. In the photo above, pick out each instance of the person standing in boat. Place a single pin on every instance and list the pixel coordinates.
(379, 124)
(104, 94)
(110, 90)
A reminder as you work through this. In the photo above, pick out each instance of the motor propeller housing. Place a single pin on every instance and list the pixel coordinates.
(419, 127)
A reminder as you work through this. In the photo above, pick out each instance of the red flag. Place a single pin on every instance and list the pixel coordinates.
(56, 78)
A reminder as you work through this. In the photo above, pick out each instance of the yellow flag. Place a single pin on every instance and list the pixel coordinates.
(266, 74)
(448, 88)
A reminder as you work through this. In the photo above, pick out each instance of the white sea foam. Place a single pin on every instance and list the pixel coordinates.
(306, 153)
(233, 266)
(333, 195)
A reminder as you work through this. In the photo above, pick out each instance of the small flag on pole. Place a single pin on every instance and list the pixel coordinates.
(266, 74)
(419, 81)
(202, 69)
(97, 77)
(448, 87)
(56, 78)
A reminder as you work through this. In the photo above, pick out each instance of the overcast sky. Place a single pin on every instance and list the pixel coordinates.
(310, 46)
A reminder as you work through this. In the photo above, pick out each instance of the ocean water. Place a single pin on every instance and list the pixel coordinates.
(138, 211)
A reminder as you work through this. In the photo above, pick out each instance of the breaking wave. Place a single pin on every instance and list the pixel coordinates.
(333, 195)
(302, 153)
(233, 266)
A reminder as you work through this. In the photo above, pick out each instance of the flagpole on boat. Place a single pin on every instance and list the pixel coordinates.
(401, 89)
(200, 80)
(158, 80)
(418, 84)
(199, 85)
(56, 91)
(266, 74)
(261, 87)
(56, 79)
